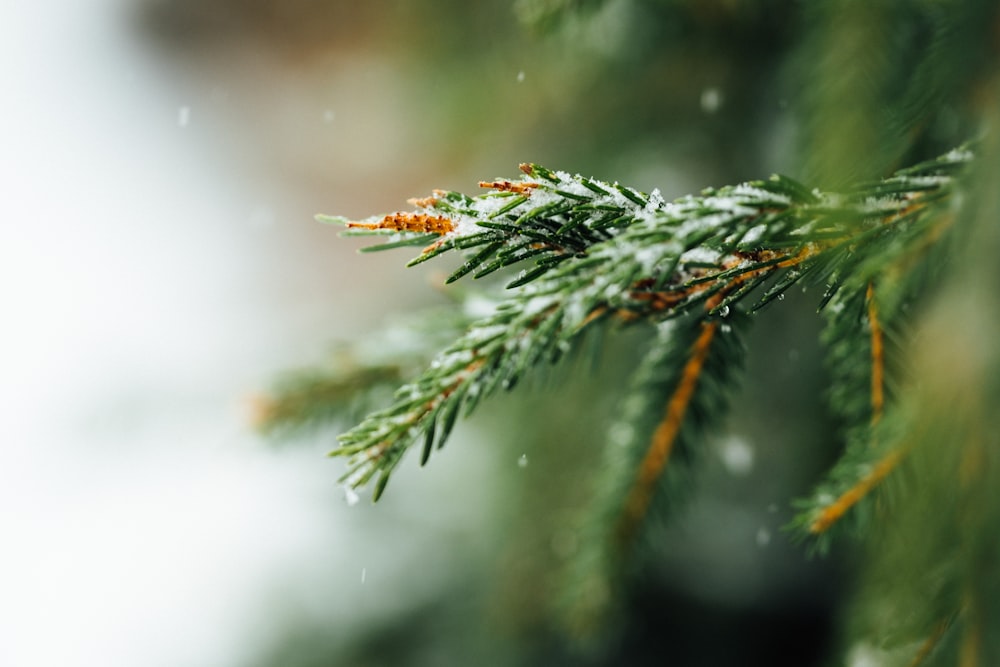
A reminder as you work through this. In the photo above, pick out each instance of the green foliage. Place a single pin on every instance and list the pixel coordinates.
(601, 252)
(592, 254)
(618, 505)
(887, 249)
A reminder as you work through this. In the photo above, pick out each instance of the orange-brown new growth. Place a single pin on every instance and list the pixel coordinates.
(428, 202)
(834, 511)
(410, 222)
(517, 187)
(666, 433)
(423, 202)
(667, 299)
(878, 357)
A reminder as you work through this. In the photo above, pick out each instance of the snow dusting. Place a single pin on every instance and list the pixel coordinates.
(478, 306)
(647, 257)
(702, 255)
(537, 304)
(959, 155)
(484, 334)
(760, 196)
(656, 201)
(754, 234)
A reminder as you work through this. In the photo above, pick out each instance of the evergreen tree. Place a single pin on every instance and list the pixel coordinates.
(889, 223)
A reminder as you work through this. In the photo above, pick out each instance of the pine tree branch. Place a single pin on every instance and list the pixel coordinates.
(310, 400)
(829, 513)
(862, 319)
(362, 372)
(604, 251)
(666, 433)
(580, 254)
(676, 393)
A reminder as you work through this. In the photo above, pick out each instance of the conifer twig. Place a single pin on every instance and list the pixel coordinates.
(603, 250)
(832, 512)
(666, 433)
(579, 254)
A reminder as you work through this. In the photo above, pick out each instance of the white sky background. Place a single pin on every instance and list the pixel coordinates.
(140, 522)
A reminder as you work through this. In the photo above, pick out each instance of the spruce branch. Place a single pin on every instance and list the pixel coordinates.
(604, 252)
(676, 393)
(865, 325)
(312, 399)
(363, 372)
(579, 255)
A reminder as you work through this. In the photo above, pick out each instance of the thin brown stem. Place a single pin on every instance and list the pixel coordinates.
(665, 435)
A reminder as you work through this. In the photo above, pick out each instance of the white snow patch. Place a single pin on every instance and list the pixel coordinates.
(457, 359)
(747, 190)
(537, 304)
(572, 185)
(479, 307)
(486, 207)
(702, 255)
(648, 258)
(754, 234)
(959, 155)
(487, 333)
(932, 181)
(465, 225)
(656, 201)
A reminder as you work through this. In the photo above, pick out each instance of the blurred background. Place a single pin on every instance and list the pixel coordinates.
(162, 164)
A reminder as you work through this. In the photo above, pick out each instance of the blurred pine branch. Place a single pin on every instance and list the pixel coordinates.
(905, 262)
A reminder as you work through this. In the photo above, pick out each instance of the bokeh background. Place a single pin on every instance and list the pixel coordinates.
(162, 164)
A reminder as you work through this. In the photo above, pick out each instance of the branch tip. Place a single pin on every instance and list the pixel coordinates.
(502, 185)
(423, 202)
(835, 510)
(409, 222)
